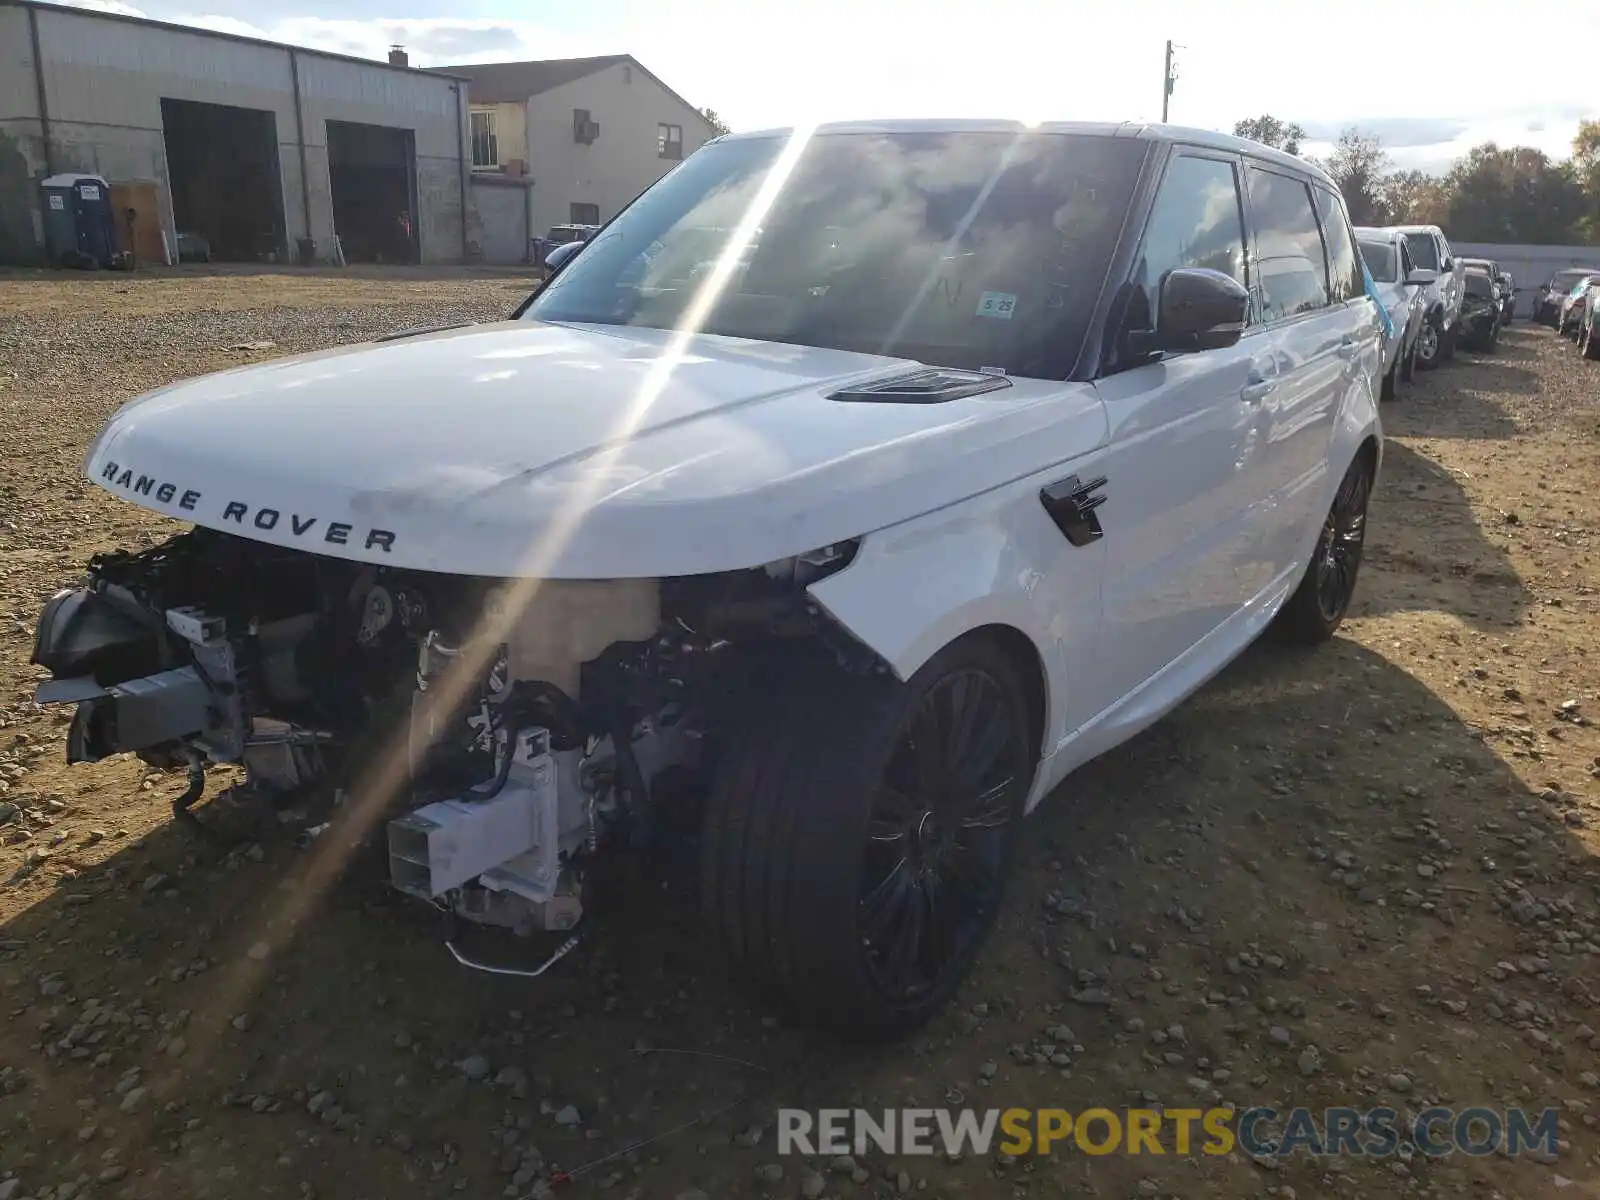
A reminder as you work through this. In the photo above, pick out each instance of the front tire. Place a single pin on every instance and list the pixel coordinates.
(859, 833)
(1429, 344)
(1318, 606)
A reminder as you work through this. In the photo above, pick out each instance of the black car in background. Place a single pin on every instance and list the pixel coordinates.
(1547, 297)
(1506, 286)
(1480, 311)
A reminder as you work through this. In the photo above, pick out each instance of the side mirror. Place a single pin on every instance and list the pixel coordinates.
(1200, 309)
(554, 260)
(1421, 277)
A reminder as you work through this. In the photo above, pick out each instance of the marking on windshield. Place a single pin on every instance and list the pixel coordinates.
(999, 305)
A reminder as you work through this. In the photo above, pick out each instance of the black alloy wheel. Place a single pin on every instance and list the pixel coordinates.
(859, 831)
(1317, 607)
(1338, 556)
(938, 835)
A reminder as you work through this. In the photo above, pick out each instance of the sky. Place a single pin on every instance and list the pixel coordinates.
(759, 65)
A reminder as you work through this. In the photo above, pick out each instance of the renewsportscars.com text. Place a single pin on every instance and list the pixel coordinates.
(1436, 1132)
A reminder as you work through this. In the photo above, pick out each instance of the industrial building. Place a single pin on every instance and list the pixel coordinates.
(245, 150)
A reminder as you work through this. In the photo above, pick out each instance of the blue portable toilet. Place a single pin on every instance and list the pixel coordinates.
(79, 229)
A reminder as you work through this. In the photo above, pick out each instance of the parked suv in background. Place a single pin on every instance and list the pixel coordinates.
(1418, 284)
(847, 559)
(1430, 251)
(1547, 297)
(1399, 288)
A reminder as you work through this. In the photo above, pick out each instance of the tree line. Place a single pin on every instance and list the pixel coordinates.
(1493, 194)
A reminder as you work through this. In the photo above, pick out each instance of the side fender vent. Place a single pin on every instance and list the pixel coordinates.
(925, 386)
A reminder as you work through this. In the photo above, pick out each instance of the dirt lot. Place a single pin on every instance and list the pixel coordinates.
(1360, 876)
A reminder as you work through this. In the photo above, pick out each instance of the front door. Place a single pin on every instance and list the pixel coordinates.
(1187, 431)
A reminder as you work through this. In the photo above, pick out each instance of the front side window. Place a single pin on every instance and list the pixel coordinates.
(964, 249)
(1381, 261)
(1344, 272)
(1194, 222)
(1424, 250)
(1294, 271)
(485, 145)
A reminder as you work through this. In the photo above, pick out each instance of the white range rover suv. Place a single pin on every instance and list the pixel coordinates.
(976, 449)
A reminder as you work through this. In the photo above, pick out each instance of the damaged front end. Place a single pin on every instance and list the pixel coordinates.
(507, 733)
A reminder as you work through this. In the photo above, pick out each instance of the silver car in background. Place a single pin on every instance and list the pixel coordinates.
(1400, 287)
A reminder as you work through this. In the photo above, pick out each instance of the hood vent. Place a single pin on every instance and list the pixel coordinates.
(928, 385)
(425, 329)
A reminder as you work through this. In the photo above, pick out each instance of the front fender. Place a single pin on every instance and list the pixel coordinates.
(995, 560)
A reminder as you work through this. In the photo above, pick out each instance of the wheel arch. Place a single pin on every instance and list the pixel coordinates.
(1024, 656)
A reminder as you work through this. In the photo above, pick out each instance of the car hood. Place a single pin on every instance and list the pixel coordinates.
(528, 449)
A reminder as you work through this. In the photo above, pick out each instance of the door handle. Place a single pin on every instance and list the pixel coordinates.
(1257, 387)
(1347, 346)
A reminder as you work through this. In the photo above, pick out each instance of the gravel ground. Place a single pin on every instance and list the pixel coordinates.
(1360, 876)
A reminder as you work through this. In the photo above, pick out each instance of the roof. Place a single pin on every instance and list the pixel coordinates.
(1130, 129)
(97, 14)
(514, 82)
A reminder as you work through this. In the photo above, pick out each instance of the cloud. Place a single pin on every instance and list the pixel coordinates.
(431, 41)
(1394, 132)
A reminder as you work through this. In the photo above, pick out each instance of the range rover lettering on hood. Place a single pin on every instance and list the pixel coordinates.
(308, 527)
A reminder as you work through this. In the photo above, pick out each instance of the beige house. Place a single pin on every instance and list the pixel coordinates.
(592, 133)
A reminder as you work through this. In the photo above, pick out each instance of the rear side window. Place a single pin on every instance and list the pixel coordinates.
(1293, 269)
(1195, 222)
(1344, 272)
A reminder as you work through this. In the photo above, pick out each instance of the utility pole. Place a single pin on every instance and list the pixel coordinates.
(1167, 79)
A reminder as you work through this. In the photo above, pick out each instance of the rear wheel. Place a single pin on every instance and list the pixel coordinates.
(1408, 366)
(1386, 388)
(859, 833)
(1447, 343)
(1318, 606)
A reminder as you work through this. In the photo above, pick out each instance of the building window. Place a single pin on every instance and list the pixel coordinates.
(585, 214)
(584, 128)
(669, 141)
(485, 146)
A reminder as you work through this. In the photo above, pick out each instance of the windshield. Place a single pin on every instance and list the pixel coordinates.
(964, 250)
(1380, 258)
(1424, 251)
(1567, 279)
(1478, 284)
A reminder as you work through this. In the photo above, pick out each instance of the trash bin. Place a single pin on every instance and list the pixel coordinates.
(79, 228)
